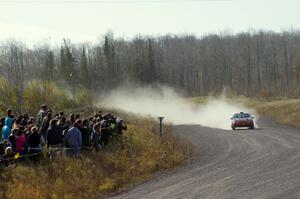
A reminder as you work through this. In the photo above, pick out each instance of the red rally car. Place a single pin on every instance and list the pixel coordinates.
(242, 120)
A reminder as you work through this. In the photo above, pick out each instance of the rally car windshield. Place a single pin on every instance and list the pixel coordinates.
(244, 115)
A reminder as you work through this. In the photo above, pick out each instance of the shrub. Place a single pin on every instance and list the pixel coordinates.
(36, 93)
(83, 97)
(8, 96)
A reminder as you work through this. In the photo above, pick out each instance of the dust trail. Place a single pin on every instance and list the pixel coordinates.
(164, 101)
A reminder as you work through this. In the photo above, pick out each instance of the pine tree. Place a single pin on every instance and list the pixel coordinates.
(106, 48)
(68, 66)
(152, 66)
(49, 66)
(84, 74)
(149, 74)
(62, 65)
(109, 52)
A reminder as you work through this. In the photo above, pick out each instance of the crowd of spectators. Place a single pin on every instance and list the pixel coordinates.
(24, 136)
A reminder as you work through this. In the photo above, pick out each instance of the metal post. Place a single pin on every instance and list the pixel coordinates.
(160, 125)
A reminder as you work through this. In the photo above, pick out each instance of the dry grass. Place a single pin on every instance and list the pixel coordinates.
(199, 99)
(124, 162)
(283, 111)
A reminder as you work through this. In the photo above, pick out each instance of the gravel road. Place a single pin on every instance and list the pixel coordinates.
(260, 163)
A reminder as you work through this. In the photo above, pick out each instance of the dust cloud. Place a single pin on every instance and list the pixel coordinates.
(164, 101)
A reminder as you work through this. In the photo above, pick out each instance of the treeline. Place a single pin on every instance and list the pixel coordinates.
(255, 63)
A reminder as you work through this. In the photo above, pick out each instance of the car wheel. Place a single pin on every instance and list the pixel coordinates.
(233, 127)
(252, 127)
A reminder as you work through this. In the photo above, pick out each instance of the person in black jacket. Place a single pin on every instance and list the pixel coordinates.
(86, 132)
(64, 125)
(34, 144)
(12, 138)
(6, 153)
(105, 133)
(54, 135)
(120, 126)
(95, 136)
(2, 148)
(2, 124)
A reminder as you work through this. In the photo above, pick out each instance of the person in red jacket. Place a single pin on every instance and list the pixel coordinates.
(21, 143)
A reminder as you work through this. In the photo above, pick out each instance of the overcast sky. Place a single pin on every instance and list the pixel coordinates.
(35, 21)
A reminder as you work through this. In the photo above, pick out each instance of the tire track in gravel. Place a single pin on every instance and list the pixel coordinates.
(260, 163)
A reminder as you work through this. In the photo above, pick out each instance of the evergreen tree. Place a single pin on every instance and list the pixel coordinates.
(149, 74)
(109, 52)
(84, 74)
(49, 66)
(68, 66)
(62, 65)
(106, 47)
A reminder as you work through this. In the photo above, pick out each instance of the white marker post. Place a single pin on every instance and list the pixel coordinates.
(160, 119)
